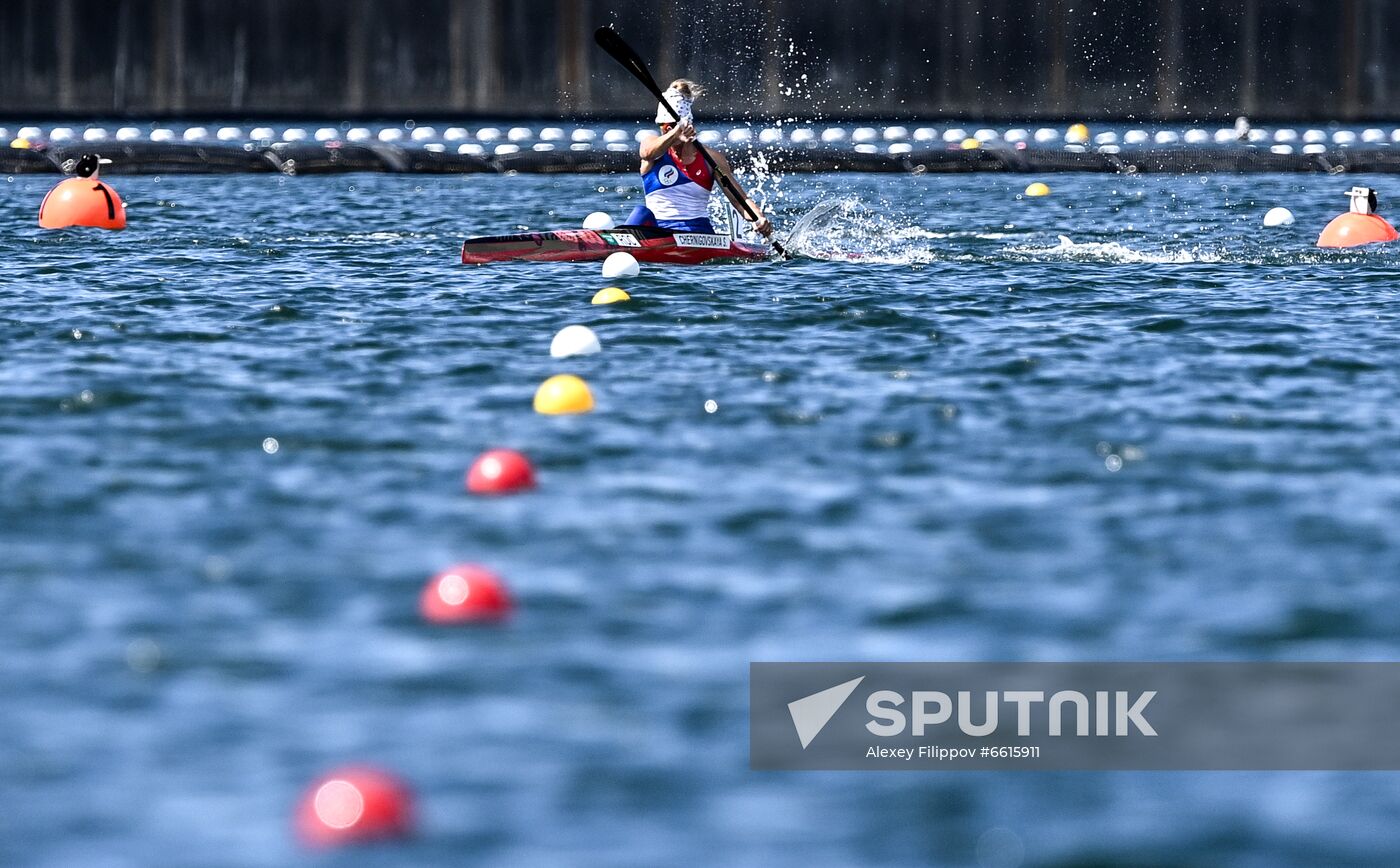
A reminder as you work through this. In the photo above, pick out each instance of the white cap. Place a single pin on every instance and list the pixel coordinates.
(683, 105)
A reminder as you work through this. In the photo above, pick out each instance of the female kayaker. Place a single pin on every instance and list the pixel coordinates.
(676, 179)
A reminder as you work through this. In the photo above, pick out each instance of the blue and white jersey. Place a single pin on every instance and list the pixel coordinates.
(678, 192)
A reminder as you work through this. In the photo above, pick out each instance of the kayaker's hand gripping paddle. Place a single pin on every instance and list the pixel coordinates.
(612, 43)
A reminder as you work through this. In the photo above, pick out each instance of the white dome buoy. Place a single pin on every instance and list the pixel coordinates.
(599, 220)
(621, 264)
(1278, 217)
(574, 340)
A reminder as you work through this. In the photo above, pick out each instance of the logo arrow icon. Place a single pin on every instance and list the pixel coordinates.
(811, 713)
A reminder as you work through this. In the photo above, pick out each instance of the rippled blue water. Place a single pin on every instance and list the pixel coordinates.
(1171, 434)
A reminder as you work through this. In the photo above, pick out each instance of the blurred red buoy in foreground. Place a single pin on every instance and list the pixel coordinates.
(354, 805)
(500, 471)
(464, 593)
(1360, 225)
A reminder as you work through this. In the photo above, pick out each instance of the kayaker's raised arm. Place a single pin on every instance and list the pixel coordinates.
(653, 146)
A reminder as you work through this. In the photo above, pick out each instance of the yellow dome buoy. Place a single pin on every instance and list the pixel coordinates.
(1038, 189)
(611, 295)
(563, 394)
(1077, 135)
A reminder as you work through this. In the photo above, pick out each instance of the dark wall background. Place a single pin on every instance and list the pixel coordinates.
(1171, 59)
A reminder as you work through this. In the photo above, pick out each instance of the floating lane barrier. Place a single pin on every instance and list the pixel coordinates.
(590, 161)
(306, 158)
(1039, 161)
(1383, 161)
(818, 159)
(1187, 161)
(961, 160)
(171, 158)
(435, 161)
(163, 151)
(24, 161)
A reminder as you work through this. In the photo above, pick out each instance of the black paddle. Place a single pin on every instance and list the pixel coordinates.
(609, 40)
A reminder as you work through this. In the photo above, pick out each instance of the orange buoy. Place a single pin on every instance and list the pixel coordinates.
(1350, 230)
(83, 201)
(1360, 225)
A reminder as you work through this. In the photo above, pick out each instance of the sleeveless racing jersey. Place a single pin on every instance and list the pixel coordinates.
(677, 192)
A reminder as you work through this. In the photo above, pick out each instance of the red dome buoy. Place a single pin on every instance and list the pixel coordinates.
(1360, 225)
(83, 201)
(464, 593)
(1351, 230)
(354, 805)
(500, 471)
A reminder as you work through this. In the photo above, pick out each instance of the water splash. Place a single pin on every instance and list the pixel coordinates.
(847, 229)
(1114, 251)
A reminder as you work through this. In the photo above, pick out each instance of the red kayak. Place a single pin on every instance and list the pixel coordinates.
(647, 243)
